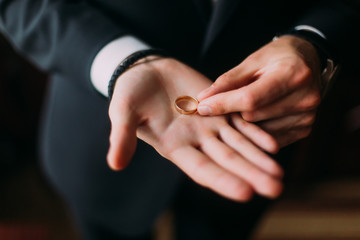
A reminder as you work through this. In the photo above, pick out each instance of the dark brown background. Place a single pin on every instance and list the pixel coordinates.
(27, 203)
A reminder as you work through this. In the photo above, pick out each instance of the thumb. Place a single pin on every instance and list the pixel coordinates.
(123, 140)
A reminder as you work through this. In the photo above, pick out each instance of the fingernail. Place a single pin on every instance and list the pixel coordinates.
(204, 110)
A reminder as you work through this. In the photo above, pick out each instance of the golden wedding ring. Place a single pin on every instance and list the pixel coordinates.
(186, 105)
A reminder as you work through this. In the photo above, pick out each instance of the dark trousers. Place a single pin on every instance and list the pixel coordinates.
(199, 214)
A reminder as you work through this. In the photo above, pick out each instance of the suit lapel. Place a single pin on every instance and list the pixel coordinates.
(222, 12)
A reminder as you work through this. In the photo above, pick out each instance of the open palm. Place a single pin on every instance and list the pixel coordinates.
(221, 152)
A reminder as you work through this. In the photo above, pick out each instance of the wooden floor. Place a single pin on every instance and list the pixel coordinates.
(322, 211)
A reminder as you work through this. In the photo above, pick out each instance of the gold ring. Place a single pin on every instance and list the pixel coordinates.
(186, 105)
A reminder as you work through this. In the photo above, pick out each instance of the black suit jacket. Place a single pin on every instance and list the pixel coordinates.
(63, 37)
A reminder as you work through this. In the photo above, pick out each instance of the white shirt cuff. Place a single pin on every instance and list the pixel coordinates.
(310, 29)
(109, 58)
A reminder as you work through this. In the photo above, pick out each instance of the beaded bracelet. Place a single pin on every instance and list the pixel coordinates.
(128, 62)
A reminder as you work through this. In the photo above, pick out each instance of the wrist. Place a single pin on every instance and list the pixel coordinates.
(109, 57)
(130, 61)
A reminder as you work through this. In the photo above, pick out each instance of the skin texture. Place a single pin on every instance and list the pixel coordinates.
(224, 153)
(277, 87)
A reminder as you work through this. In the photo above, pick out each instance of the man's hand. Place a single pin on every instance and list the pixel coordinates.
(277, 87)
(219, 152)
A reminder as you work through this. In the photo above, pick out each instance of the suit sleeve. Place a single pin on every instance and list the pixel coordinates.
(61, 37)
(339, 21)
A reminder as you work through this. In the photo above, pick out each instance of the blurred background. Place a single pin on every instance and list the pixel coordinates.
(321, 199)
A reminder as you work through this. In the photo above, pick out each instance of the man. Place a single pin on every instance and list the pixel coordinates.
(81, 43)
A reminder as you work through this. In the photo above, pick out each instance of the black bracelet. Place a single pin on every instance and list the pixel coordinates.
(127, 62)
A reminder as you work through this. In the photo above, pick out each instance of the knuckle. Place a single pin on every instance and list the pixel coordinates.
(225, 78)
(239, 122)
(118, 107)
(315, 98)
(248, 116)
(305, 132)
(112, 138)
(252, 59)
(167, 145)
(198, 176)
(311, 101)
(302, 75)
(286, 67)
(308, 119)
(248, 101)
(219, 107)
(305, 72)
(111, 111)
(231, 156)
(239, 139)
(220, 181)
(117, 128)
(289, 65)
(197, 170)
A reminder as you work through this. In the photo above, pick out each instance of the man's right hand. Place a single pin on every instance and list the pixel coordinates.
(223, 153)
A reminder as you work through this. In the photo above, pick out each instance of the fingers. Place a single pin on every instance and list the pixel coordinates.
(274, 82)
(284, 124)
(243, 146)
(206, 173)
(289, 129)
(253, 132)
(291, 136)
(122, 138)
(304, 100)
(262, 182)
(235, 78)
